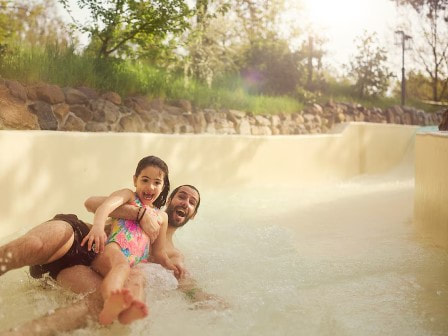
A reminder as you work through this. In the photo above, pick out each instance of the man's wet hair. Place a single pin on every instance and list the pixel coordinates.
(173, 193)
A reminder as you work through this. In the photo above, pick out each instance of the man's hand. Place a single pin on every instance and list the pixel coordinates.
(180, 272)
(150, 224)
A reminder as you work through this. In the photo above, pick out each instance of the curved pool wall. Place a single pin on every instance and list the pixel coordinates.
(301, 235)
(43, 172)
(431, 187)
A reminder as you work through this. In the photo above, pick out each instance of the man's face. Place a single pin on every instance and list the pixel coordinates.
(181, 208)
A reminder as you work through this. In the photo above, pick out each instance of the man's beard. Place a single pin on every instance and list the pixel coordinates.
(174, 223)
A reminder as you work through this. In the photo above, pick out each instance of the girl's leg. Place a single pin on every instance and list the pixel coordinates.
(45, 243)
(113, 265)
(138, 309)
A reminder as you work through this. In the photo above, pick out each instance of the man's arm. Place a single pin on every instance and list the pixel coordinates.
(158, 250)
(127, 211)
(200, 298)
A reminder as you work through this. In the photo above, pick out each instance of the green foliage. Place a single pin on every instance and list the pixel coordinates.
(368, 68)
(271, 68)
(62, 66)
(122, 26)
(32, 22)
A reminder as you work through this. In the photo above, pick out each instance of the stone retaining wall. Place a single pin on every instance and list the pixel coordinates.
(49, 107)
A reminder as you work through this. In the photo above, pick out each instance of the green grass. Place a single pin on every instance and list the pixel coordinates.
(63, 67)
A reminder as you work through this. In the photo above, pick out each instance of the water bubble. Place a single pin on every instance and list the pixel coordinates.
(439, 292)
(3, 268)
(9, 255)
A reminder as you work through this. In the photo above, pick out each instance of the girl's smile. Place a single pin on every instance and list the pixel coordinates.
(149, 184)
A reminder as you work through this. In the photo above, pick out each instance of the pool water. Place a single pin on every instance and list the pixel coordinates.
(341, 259)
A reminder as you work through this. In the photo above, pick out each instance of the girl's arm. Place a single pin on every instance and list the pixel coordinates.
(97, 234)
(148, 223)
(158, 251)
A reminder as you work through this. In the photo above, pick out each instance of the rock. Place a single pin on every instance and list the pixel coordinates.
(73, 123)
(93, 126)
(262, 121)
(31, 93)
(244, 127)
(45, 116)
(317, 109)
(173, 110)
(223, 126)
(14, 114)
(131, 123)
(73, 96)
(261, 130)
(235, 116)
(83, 112)
(113, 97)
(157, 104)
(184, 105)
(443, 126)
(16, 89)
(275, 130)
(104, 111)
(61, 111)
(182, 125)
(197, 121)
(275, 121)
(88, 92)
(51, 94)
(139, 104)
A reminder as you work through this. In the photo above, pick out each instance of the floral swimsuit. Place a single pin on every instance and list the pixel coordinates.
(133, 241)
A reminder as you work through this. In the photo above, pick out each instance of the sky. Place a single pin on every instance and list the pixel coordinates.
(341, 21)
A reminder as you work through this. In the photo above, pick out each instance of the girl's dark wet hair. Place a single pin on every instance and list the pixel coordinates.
(159, 163)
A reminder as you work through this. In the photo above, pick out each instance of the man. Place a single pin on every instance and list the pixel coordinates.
(182, 205)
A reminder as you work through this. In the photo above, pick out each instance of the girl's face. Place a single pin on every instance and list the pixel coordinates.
(149, 184)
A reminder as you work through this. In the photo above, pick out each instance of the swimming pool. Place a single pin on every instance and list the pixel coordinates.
(317, 252)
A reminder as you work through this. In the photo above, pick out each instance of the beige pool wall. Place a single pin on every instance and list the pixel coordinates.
(46, 172)
(431, 187)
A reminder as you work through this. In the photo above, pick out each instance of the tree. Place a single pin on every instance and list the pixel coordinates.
(368, 68)
(117, 25)
(33, 23)
(207, 41)
(419, 5)
(272, 68)
(432, 47)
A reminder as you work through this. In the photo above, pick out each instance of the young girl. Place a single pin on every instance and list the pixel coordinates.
(128, 242)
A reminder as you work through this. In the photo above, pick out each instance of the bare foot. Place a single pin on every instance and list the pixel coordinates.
(118, 301)
(136, 311)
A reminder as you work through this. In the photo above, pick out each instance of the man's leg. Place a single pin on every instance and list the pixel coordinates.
(43, 244)
(62, 319)
(79, 279)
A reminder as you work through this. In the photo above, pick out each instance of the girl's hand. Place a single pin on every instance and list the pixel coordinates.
(150, 223)
(96, 237)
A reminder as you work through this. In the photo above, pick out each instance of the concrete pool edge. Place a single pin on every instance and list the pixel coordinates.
(46, 172)
(431, 187)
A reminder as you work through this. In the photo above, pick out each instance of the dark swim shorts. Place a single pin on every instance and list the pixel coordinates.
(77, 255)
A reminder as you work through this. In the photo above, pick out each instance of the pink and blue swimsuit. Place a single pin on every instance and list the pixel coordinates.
(128, 234)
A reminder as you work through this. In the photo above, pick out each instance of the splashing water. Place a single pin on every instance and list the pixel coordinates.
(336, 260)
